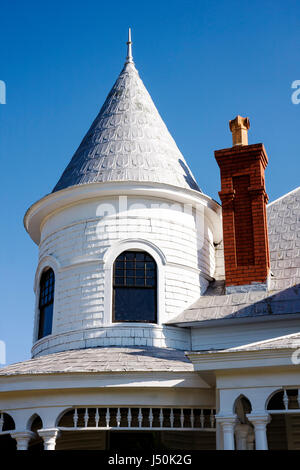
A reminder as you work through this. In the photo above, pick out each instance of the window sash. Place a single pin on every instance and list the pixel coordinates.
(134, 272)
(46, 301)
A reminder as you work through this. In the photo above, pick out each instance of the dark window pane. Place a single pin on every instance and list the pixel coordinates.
(46, 303)
(119, 281)
(45, 327)
(119, 272)
(150, 272)
(135, 289)
(140, 273)
(150, 266)
(130, 272)
(135, 304)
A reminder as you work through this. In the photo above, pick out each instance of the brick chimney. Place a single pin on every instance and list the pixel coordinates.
(244, 199)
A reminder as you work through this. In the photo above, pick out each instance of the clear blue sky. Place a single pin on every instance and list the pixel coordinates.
(203, 62)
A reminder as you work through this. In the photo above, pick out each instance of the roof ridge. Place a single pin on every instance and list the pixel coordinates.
(282, 197)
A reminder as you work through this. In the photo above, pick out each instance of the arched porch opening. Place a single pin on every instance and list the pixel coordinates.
(7, 424)
(244, 431)
(35, 423)
(283, 431)
(241, 408)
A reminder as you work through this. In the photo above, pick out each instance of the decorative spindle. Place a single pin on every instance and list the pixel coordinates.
(107, 417)
(172, 418)
(150, 417)
(192, 418)
(181, 418)
(140, 417)
(212, 418)
(285, 399)
(1, 422)
(97, 418)
(118, 418)
(129, 59)
(129, 417)
(75, 418)
(202, 419)
(161, 418)
(86, 418)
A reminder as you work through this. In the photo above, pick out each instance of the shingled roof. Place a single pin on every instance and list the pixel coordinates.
(128, 141)
(112, 359)
(283, 297)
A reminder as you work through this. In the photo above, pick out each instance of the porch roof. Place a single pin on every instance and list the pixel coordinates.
(112, 359)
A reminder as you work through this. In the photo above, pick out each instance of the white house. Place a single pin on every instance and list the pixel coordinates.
(143, 338)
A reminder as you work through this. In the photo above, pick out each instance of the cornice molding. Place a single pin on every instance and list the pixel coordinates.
(226, 360)
(54, 202)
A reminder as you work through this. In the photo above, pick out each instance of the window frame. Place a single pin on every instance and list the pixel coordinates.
(41, 308)
(153, 288)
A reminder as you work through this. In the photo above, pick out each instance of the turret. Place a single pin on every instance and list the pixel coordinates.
(126, 238)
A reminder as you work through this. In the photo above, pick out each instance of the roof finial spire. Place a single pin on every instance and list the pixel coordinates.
(129, 59)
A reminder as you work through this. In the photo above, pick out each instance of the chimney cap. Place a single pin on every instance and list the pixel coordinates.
(239, 127)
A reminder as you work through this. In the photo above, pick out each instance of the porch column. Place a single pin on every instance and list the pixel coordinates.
(22, 438)
(250, 440)
(49, 437)
(241, 432)
(227, 424)
(260, 421)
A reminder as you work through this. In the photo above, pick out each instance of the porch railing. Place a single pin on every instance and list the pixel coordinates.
(142, 418)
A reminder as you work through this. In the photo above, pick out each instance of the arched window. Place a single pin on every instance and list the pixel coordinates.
(46, 303)
(134, 288)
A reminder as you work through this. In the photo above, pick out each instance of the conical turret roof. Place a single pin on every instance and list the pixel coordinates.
(128, 141)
